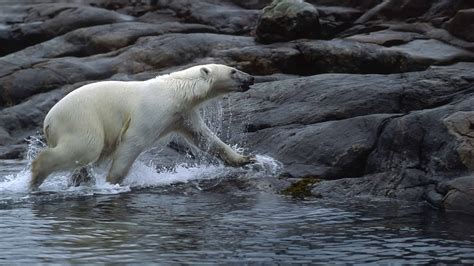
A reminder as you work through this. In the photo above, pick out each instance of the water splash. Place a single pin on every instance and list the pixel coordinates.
(14, 187)
(141, 174)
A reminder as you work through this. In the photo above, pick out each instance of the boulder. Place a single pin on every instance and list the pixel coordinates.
(386, 37)
(285, 20)
(434, 52)
(226, 18)
(45, 21)
(460, 195)
(462, 24)
(385, 135)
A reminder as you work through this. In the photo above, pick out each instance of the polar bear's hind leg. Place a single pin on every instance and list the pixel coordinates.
(70, 153)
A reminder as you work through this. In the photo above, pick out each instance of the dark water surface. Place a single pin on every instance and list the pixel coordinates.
(223, 220)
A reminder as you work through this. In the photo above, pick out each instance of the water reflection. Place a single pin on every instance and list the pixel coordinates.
(163, 225)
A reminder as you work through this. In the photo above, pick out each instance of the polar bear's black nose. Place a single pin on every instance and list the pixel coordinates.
(251, 80)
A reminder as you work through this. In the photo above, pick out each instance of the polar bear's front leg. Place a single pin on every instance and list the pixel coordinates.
(196, 131)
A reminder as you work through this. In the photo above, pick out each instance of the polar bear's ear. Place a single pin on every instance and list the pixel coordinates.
(205, 72)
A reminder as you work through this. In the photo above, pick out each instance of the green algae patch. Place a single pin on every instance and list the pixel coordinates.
(302, 188)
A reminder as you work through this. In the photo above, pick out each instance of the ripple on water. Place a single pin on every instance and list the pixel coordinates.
(206, 214)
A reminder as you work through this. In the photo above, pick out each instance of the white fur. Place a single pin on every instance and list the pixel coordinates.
(121, 119)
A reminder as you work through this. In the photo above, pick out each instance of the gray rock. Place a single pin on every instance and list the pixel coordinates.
(460, 125)
(5, 137)
(460, 195)
(386, 37)
(435, 52)
(12, 151)
(101, 39)
(45, 21)
(30, 76)
(462, 24)
(285, 20)
(226, 18)
(385, 134)
(309, 57)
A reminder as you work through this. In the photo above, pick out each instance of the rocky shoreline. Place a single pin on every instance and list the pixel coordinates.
(375, 98)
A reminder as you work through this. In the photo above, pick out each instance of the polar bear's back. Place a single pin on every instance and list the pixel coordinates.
(97, 110)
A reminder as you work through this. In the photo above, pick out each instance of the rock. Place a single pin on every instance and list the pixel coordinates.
(12, 152)
(446, 8)
(385, 134)
(23, 120)
(460, 196)
(429, 32)
(100, 39)
(339, 13)
(309, 57)
(335, 19)
(252, 4)
(462, 24)
(345, 56)
(5, 137)
(434, 198)
(285, 20)
(461, 125)
(398, 9)
(389, 124)
(226, 18)
(386, 37)
(34, 70)
(363, 4)
(45, 21)
(328, 159)
(20, 81)
(407, 185)
(434, 52)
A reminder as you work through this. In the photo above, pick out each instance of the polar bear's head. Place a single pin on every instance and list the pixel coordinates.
(219, 79)
(225, 79)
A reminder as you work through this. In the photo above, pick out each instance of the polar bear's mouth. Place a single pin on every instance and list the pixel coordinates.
(246, 84)
(244, 87)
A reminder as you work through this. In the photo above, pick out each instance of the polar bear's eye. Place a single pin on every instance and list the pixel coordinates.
(233, 71)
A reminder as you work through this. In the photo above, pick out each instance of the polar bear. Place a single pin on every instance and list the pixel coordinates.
(121, 119)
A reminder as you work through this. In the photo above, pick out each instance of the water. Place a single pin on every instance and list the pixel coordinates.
(214, 214)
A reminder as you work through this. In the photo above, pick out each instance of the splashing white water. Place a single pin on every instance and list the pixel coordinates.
(141, 175)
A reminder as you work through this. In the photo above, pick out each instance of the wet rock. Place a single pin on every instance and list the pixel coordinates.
(285, 20)
(461, 125)
(406, 184)
(462, 24)
(434, 198)
(328, 159)
(385, 134)
(12, 151)
(460, 195)
(5, 137)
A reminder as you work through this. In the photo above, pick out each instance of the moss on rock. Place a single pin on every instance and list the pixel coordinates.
(302, 188)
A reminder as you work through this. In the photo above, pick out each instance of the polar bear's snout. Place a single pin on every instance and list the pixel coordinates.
(246, 81)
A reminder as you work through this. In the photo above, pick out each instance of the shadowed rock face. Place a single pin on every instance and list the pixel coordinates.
(382, 107)
(286, 20)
